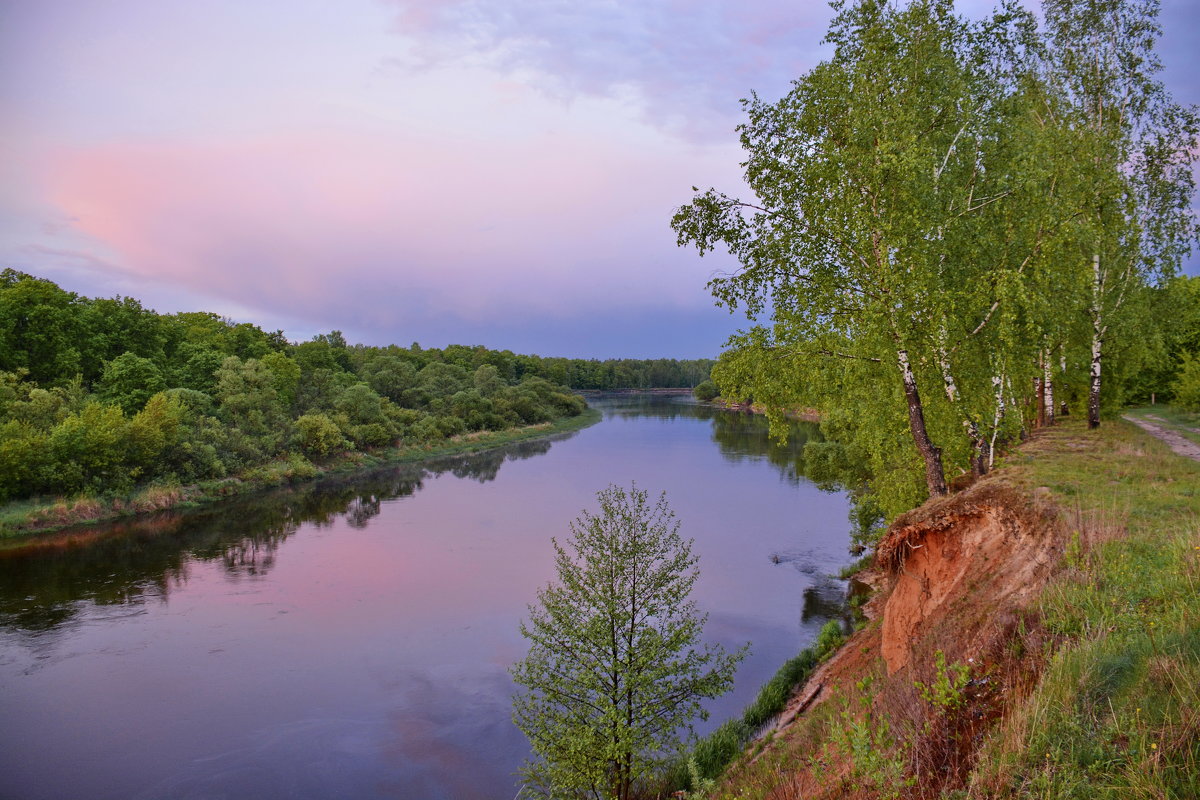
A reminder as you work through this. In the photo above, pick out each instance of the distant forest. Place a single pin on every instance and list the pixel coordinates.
(103, 395)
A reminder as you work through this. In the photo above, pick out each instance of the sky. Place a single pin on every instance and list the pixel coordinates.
(496, 172)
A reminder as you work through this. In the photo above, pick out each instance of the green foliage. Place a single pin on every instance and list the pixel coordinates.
(249, 401)
(943, 212)
(41, 328)
(701, 786)
(1186, 386)
(318, 435)
(1114, 713)
(151, 431)
(89, 450)
(100, 396)
(862, 243)
(487, 380)
(43, 409)
(706, 391)
(440, 381)
(719, 749)
(878, 760)
(197, 366)
(390, 376)
(365, 418)
(285, 376)
(614, 670)
(949, 683)
(711, 755)
(1175, 308)
(23, 459)
(129, 381)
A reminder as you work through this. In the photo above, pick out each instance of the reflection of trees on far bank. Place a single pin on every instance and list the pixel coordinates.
(739, 435)
(47, 584)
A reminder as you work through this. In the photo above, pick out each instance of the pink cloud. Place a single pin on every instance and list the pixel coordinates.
(369, 227)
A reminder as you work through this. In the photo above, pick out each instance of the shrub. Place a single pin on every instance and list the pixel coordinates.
(129, 381)
(706, 391)
(717, 750)
(317, 434)
(23, 451)
(89, 451)
(1186, 386)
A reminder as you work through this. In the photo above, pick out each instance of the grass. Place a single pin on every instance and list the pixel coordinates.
(1117, 711)
(712, 754)
(42, 515)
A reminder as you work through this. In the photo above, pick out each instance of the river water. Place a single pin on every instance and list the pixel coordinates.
(352, 638)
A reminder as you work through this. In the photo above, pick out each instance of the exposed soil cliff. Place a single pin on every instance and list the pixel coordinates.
(956, 564)
(957, 576)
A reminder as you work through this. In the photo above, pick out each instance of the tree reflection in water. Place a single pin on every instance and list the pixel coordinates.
(739, 435)
(131, 563)
(46, 584)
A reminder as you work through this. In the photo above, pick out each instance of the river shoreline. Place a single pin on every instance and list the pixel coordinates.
(801, 414)
(23, 520)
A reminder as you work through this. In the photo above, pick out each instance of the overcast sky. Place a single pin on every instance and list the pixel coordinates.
(497, 172)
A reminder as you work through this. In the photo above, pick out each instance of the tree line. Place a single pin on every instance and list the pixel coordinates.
(102, 395)
(959, 230)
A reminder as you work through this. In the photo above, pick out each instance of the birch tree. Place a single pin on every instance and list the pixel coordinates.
(870, 182)
(1133, 154)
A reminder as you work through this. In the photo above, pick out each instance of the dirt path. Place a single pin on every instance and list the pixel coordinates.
(1176, 441)
(1181, 427)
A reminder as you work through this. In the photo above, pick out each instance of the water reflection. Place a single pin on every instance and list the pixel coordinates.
(739, 435)
(352, 637)
(130, 563)
(136, 562)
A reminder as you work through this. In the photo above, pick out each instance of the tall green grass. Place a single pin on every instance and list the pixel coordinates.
(713, 753)
(1117, 712)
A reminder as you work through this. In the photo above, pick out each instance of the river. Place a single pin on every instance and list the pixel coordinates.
(352, 638)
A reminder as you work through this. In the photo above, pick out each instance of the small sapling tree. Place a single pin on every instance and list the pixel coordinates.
(615, 670)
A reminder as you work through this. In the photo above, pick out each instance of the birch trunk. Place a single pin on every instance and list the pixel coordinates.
(980, 460)
(1097, 345)
(1048, 389)
(998, 383)
(931, 454)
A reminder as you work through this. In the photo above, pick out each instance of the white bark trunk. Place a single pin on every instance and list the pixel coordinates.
(1097, 344)
(1048, 389)
(998, 383)
(931, 454)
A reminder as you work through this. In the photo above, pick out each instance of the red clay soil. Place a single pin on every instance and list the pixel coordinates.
(954, 562)
(958, 575)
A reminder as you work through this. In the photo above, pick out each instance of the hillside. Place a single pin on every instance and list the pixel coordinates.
(1035, 635)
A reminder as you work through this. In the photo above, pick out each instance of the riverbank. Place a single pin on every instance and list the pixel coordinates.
(1034, 634)
(25, 518)
(801, 414)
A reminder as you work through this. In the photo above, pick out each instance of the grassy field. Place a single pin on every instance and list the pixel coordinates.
(42, 515)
